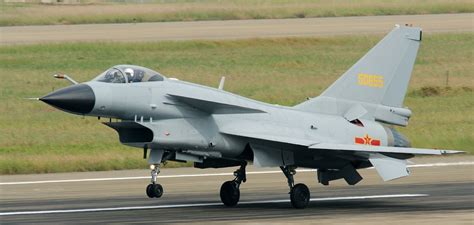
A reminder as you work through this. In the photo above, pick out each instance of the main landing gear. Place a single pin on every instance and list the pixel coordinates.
(230, 192)
(154, 190)
(299, 193)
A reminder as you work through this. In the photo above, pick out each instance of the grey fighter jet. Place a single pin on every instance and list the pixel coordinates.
(350, 126)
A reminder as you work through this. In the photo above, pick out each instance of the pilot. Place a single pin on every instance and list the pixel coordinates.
(129, 73)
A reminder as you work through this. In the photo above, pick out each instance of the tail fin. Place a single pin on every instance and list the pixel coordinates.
(380, 77)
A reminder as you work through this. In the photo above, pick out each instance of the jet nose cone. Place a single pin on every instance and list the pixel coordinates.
(78, 99)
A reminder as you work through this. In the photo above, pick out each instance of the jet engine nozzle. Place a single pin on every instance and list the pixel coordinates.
(77, 99)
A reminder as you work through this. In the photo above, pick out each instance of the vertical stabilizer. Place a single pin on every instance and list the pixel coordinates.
(380, 77)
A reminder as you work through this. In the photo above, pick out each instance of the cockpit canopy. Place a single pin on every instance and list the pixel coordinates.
(129, 74)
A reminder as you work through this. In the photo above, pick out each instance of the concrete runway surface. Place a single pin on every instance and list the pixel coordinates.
(233, 29)
(439, 191)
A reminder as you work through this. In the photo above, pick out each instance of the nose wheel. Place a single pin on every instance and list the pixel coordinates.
(230, 190)
(154, 190)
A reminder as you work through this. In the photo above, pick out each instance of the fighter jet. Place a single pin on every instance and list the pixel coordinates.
(350, 126)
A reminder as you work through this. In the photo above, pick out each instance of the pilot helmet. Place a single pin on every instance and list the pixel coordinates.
(129, 72)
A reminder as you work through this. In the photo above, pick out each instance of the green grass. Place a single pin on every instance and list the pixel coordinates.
(36, 138)
(96, 11)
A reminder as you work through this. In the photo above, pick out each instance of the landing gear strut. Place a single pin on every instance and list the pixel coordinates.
(154, 190)
(299, 193)
(230, 192)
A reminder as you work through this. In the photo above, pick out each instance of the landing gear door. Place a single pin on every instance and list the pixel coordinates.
(270, 157)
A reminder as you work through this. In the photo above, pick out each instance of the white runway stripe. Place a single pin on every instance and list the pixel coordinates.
(206, 174)
(205, 204)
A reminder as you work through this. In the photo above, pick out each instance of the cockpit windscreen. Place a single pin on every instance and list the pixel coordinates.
(129, 74)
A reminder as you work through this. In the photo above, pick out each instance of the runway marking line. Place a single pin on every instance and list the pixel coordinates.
(205, 204)
(207, 174)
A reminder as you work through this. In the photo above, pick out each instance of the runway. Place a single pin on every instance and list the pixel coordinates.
(439, 191)
(233, 29)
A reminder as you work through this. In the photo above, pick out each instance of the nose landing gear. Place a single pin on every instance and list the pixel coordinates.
(230, 192)
(154, 190)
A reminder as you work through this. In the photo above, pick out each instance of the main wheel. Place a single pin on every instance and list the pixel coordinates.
(154, 190)
(230, 193)
(300, 196)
